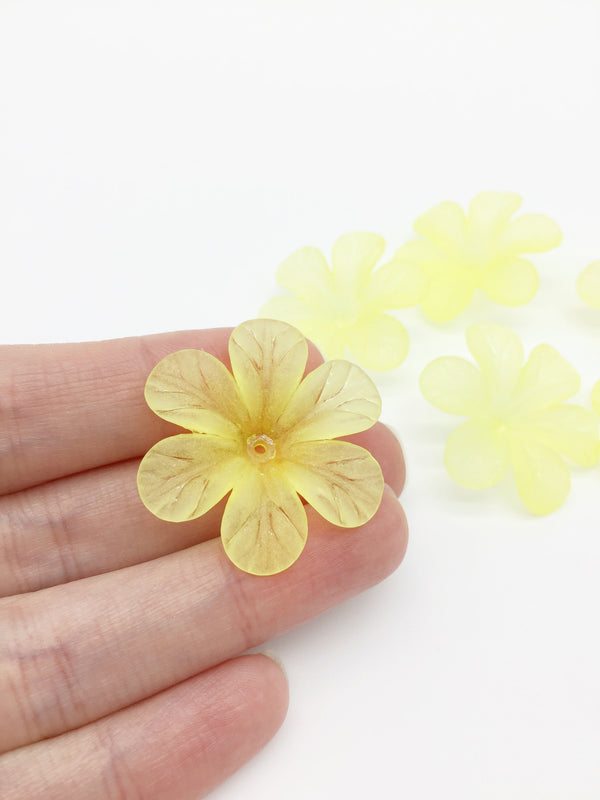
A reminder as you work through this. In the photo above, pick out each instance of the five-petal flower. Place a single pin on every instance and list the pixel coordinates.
(266, 434)
(481, 250)
(519, 416)
(344, 306)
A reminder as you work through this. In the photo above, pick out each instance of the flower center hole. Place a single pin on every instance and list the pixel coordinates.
(260, 448)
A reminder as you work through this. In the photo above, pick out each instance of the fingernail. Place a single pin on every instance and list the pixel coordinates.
(274, 657)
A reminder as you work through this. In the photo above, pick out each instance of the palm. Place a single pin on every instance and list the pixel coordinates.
(120, 665)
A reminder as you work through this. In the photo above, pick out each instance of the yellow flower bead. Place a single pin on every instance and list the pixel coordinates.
(343, 307)
(265, 433)
(518, 416)
(596, 398)
(588, 285)
(480, 250)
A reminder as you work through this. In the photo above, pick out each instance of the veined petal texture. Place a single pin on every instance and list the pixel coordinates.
(264, 526)
(268, 359)
(336, 399)
(340, 480)
(195, 390)
(184, 476)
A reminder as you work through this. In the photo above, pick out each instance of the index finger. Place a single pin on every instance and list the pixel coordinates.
(66, 408)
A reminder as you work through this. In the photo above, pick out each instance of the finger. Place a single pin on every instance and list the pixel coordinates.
(177, 745)
(76, 652)
(65, 408)
(383, 444)
(94, 522)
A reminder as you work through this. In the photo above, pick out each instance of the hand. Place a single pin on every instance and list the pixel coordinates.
(121, 674)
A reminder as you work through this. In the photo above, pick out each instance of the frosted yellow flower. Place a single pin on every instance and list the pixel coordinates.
(267, 434)
(596, 398)
(481, 250)
(343, 307)
(518, 413)
(588, 285)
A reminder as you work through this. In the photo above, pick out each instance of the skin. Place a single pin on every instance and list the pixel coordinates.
(121, 636)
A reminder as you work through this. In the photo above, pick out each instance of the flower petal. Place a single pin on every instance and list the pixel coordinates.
(530, 233)
(195, 390)
(314, 324)
(353, 257)
(336, 399)
(512, 283)
(378, 341)
(455, 386)
(477, 455)
(499, 353)
(184, 476)
(444, 225)
(264, 526)
(398, 284)
(268, 358)
(570, 429)
(288, 308)
(423, 253)
(490, 211)
(330, 339)
(447, 296)
(341, 481)
(306, 274)
(542, 477)
(588, 285)
(596, 397)
(546, 380)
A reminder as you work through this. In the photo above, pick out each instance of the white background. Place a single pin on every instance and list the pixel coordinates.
(158, 160)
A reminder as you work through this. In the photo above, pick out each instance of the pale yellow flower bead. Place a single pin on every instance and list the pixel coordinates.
(518, 416)
(343, 307)
(265, 434)
(596, 398)
(588, 285)
(482, 249)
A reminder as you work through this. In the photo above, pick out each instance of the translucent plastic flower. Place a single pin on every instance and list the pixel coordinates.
(596, 398)
(519, 416)
(266, 434)
(588, 285)
(344, 306)
(481, 250)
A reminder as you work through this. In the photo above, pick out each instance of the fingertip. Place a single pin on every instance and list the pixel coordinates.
(398, 526)
(383, 444)
(315, 357)
(272, 686)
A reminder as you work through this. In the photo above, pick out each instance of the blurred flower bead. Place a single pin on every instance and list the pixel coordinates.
(480, 250)
(519, 417)
(343, 307)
